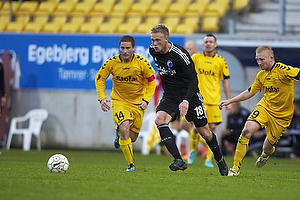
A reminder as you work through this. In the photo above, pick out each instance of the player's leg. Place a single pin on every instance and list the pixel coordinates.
(168, 139)
(242, 146)
(126, 144)
(212, 142)
(274, 131)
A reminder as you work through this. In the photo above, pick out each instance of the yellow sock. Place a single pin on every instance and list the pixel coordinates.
(264, 155)
(209, 153)
(194, 142)
(126, 146)
(240, 152)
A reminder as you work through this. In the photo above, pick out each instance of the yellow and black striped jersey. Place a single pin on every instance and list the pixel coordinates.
(128, 78)
(278, 87)
(210, 72)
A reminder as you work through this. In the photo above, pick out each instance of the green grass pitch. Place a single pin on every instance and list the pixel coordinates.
(102, 175)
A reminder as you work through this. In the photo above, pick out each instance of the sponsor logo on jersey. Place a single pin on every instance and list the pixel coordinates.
(208, 73)
(272, 89)
(167, 71)
(169, 63)
(126, 79)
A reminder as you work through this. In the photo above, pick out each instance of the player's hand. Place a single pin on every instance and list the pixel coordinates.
(183, 108)
(104, 104)
(223, 103)
(143, 105)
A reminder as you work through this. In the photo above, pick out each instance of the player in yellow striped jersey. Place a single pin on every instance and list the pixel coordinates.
(273, 112)
(133, 87)
(211, 70)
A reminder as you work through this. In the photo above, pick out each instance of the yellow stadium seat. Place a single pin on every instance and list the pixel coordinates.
(52, 27)
(158, 8)
(4, 18)
(164, 1)
(120, 9)
(126, 1)
(15, 27)
(112, 25)
(96, 19)
(219, 8)
(59, 18)
(83, 8)
(46, 7)
(42, 18)
(2, 26)
(150, 22)
(196, 8)
(104, 8)
(139, 8)
(70, 28)
(185, 29)
(28, 7)
(88, 28)
(240, 4)
(130, 25)
(210, 23)
(90, 1)
(22, 17)
(6, 7)
(65, 7)
(71, 1)
(77, 18)
(34, 27)
(178, 8)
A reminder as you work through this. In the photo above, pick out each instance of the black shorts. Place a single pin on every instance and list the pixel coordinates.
(195, 114)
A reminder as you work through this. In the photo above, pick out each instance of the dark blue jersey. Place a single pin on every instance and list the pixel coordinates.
(177, 72)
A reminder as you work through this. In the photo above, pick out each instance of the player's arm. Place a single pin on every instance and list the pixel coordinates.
(150, 88)
(241, 97)
(226, 89)
(100, 80)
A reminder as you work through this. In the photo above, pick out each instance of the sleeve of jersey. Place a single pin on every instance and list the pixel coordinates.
(226, 74)
(191, 73)
(294, 73)
(100, 80)
(150, 82)
(256, 86)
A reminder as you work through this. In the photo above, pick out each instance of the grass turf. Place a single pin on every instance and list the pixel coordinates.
(102, 175)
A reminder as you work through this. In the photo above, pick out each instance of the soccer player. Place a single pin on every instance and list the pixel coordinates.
(211, 70)
(133, 87)
(273, 112)
(181, 96)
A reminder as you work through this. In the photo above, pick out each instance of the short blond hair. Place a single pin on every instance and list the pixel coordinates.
(265, 48)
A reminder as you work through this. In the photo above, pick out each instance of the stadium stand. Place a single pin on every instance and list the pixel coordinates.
(212, 15)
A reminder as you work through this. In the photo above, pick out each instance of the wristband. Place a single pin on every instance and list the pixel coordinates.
(185, 101)
(145, 101)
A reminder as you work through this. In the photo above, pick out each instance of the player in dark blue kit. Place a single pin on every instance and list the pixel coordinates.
(181, 96)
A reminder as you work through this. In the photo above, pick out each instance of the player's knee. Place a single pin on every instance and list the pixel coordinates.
(246, 133)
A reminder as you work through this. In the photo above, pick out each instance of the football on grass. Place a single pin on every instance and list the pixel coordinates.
(58, 163)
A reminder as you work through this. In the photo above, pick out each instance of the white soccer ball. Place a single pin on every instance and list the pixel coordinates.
(58, 163)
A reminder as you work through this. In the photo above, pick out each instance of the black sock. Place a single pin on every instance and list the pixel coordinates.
(168, 139)
(213, 145)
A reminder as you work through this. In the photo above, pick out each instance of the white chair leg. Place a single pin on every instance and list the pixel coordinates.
(26, 141)
(8, 140)
(38, 143)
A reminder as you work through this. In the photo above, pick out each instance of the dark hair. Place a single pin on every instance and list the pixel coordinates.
(160, 28)
(211, 35)
(127, 38)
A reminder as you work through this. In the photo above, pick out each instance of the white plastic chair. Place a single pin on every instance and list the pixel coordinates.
(147, 126)
(36, 117)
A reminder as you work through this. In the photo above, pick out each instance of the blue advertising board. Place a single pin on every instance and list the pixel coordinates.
(62, 61)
